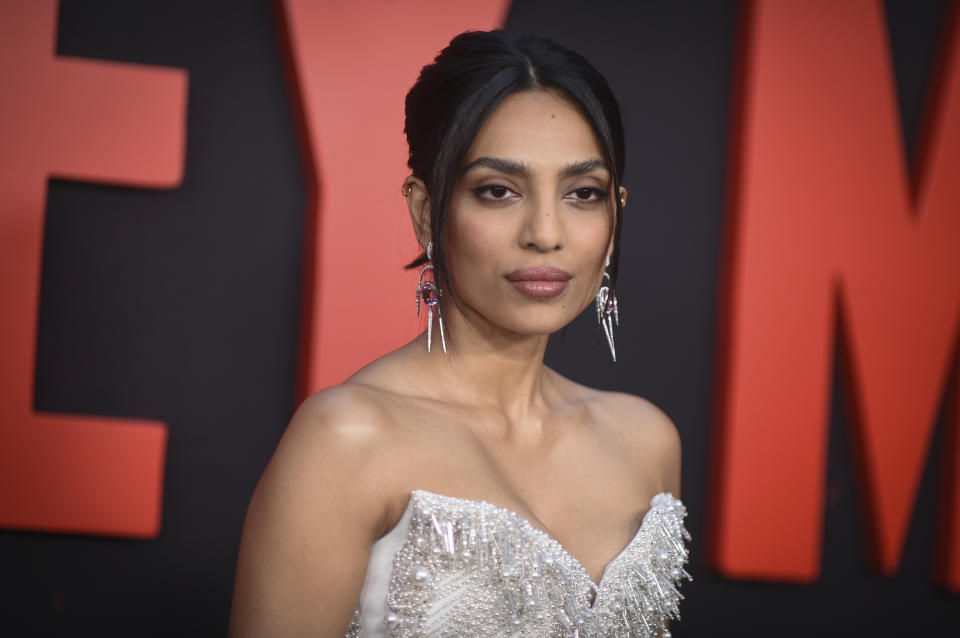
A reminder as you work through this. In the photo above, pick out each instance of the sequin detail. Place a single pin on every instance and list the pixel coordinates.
(353, 631)
(469, 568)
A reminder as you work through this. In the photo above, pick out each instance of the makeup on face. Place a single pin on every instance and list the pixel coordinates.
(530, 216)
(539, 282)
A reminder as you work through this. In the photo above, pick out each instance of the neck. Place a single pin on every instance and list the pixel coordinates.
(487, 367)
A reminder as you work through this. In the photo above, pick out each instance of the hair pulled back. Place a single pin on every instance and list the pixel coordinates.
(455, 95)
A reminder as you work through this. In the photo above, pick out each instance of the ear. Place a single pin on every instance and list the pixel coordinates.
(418, 203)
(622, 194)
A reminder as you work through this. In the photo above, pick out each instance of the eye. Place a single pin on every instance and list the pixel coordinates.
(587, 195)
(495, 192)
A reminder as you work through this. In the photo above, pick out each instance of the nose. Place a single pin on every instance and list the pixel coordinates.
(542, 228)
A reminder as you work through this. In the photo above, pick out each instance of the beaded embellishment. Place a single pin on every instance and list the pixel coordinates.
(469, 568)
(353, 630)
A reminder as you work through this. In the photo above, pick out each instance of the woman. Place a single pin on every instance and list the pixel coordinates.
(457, 486)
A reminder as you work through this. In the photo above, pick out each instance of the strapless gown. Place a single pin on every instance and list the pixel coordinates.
(455, 567)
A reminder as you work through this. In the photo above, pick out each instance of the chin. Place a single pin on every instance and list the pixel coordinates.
(530, 327)
(527, 319)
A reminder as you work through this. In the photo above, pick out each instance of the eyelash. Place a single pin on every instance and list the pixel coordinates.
(599, 196)
(481, 192)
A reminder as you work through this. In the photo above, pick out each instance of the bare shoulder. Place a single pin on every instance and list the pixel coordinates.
(317, 509)
(343, 431)
(641, 417)
(332, 456)
(349, 416)
(651, 433)
(637, 425)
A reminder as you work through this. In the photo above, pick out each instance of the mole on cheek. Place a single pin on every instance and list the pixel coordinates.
(553, 115)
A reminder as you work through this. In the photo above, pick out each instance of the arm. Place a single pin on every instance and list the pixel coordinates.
(670, 454)
(657, 446)
(315, 514)
(654, 443)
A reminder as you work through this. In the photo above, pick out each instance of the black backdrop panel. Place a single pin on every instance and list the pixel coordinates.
(182, 306)
(176, 305)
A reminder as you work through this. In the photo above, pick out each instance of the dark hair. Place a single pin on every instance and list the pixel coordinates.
(466, 82)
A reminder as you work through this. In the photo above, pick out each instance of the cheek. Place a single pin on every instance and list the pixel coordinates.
(473, 244)
(592, 236)
(593, 240)
(477, 237)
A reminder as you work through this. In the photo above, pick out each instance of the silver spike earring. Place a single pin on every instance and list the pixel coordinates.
(608, 314)
(430, 294)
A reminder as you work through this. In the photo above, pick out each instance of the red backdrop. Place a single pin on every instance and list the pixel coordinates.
(823, 220)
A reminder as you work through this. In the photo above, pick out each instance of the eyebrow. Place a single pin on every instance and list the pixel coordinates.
(584, 167)
(508, 166)
(519, 169)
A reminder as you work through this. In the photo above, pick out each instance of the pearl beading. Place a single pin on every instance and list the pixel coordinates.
(470, 568)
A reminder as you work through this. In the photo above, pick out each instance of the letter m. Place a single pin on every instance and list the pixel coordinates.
(828, 243)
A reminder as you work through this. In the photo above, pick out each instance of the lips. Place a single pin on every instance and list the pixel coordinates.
(539, 282)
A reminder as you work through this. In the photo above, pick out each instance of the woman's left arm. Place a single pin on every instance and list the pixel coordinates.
(670, 456)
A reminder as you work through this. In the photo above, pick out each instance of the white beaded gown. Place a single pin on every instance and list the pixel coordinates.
(455, 567)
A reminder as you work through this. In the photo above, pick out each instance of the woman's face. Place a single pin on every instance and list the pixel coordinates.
(530, 218)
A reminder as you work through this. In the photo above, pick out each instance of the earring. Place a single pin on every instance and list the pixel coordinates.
(430, 294)
(608, 314)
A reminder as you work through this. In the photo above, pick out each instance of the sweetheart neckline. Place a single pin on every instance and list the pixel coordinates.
(549, 537)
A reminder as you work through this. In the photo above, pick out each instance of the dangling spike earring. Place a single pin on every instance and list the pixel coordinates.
(430, 294)
(608, 314)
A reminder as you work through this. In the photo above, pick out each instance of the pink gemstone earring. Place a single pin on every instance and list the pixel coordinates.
(608, 313)
(430, 294)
